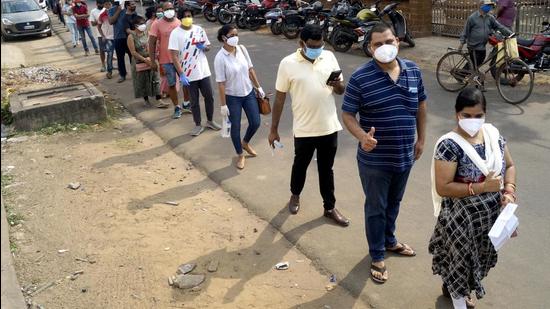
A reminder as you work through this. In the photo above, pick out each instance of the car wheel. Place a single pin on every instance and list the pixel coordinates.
(5, 38)
(49, 34)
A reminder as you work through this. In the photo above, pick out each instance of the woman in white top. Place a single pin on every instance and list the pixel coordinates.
(71, 22)
(236, 80)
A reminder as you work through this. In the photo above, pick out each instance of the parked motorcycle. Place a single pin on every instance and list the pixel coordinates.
(535, 52)
(295, 20)
(398, 21)
(228, 10)
(209, 10)
(274, 19)
(253, 16)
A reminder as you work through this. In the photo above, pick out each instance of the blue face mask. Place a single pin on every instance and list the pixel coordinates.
(486, 8)
(313, 53)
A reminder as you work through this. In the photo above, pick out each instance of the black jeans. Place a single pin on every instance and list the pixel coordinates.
(121, 48)
(205, 88)
(477, 56)
(326, 147)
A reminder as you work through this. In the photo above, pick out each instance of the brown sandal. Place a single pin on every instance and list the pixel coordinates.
(381, 270)
(401, 250)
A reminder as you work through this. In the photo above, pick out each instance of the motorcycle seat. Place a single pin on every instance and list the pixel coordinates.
(524, 42)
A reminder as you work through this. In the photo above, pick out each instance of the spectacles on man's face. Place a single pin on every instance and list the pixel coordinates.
(386, 42)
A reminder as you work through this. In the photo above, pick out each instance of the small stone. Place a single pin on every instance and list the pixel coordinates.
(255, 230)
(62, 250)
(84, 290)
(213, 266)
(48, 156)
(329, 287)
(171, 203)
(155, 182)
(167, 248)
(74, 185)
(188, 281)
(110, 214)
(186, 268)
(170, 281)
(257, 252)
(47, 172)
(327, 307)
(241, 236)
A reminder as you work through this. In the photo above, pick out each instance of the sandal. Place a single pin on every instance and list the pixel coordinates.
(381, 270)
(402, 250)
(470, 304)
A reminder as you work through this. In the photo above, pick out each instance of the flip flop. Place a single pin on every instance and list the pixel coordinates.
(402, 249)
(469, 302)
(381, 270)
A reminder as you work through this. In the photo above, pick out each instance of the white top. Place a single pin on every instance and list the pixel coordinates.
(193, 61)
(233, 70)
(94, 18)
(313, 105)
(70, 19)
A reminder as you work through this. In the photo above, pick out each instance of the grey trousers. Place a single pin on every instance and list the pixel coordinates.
(205, 88)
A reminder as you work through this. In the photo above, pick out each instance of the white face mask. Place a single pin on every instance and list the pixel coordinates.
(386, 53)
(169, 14)
(233, 41)
(471, 125)
(142, 27)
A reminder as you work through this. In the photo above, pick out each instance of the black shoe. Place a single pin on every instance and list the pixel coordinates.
(294, 204)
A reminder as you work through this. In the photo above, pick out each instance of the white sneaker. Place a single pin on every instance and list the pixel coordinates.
(197, 130)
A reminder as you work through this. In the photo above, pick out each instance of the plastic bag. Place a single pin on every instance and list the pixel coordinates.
(226, 127)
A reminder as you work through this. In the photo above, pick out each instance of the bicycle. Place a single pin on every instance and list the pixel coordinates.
(514, 79)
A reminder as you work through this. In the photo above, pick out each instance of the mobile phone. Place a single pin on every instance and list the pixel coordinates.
(335, 75)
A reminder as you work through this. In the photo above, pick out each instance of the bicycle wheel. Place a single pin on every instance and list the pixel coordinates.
(453, 70)
(515, 81)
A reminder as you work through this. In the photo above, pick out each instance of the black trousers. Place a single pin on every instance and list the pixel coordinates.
(477, 56)
(121, 48)
(205, 88)
(326, 147)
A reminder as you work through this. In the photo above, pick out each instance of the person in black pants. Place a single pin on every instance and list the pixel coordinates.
(306, 75)
(122, 21)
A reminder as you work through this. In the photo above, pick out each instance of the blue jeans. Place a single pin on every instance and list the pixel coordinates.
(88, 30)
(75, 36)
(110, 50)
(383, 190)
(250, 106)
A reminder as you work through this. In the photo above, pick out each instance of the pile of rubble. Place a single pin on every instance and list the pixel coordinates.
(34, 75)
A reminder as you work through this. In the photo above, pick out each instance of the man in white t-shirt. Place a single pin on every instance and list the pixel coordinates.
(307, 76)
(94, 19)
(187, 44)
(106, 31)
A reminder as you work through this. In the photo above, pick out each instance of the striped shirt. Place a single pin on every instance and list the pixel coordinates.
(390, 107)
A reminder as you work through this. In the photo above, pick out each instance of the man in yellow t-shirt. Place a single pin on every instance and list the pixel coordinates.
(305, 75)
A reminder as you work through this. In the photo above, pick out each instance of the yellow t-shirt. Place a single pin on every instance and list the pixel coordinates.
(313, 105)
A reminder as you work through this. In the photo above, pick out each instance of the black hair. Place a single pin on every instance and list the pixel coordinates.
(150, 11)
(183, 9)
(311, 32)
(100, 2)
(224, 30)
(470, 97)
(380, 27)
(138, 19)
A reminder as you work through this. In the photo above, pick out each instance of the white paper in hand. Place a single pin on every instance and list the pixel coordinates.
(504, 226)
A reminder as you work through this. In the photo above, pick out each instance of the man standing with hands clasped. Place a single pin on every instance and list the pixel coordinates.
(311, 75)
(388, 94)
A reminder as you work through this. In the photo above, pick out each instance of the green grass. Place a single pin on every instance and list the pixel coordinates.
(7, 117)
(13, 246)
(62, 128)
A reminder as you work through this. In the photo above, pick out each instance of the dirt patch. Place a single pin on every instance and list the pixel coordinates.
(138, 212)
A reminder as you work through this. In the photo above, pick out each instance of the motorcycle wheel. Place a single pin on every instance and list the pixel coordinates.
(276, 28)
(224, 17)
(254, 25)
(409, 40)
(209, 15)
(340, 43)
(291, 31)
(366, 49)
(241, 22)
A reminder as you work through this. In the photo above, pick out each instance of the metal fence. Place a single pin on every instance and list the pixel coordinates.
(449, 16)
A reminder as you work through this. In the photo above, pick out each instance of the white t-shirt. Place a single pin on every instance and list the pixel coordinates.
(94, 18)
(70, 19)
(233, 70)
(193, 61)
(313, 104)
(106, 27)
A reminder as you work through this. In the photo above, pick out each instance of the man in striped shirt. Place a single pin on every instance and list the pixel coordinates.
(388, 94)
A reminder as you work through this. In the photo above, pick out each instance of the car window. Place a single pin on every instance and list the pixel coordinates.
(19, 6)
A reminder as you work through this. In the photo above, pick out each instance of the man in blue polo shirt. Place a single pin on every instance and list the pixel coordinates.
(388, 94)
(122, 21)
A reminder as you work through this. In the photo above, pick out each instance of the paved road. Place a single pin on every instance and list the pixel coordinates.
(521, 278)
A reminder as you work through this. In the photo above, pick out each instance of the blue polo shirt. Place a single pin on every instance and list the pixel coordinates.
(122, 23)
(390, 107)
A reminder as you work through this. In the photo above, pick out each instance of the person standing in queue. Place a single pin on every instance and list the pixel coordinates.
(306, 74)
(388, 94)
(188, 44)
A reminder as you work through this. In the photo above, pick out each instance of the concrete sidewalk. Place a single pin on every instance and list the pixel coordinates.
(263, 185)
(12, 298)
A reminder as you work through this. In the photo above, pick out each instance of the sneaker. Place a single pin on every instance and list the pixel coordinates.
(103, 69)
(74, 45)
(177, 112)
(121, 79)
(86, 53)
(109, 75)
(97, 51)
(213, 125)
(197, 130)
(162, 104)
(186, 108)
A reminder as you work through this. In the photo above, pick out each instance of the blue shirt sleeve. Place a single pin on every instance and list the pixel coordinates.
(421, 91)
(112, 11)
(352, 96)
